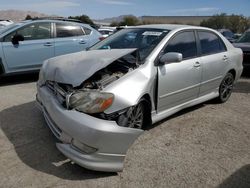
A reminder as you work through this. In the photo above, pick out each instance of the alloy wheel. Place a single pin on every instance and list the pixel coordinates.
(226, 87)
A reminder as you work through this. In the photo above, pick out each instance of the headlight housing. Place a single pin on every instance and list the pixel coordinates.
(89, 101)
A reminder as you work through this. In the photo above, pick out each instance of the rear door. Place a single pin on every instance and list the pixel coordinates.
(69, 38)
(214, 60)
(179, 82)
(38, 45)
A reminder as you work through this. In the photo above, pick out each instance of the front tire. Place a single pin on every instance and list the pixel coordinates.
(134, 117)
(226, 88)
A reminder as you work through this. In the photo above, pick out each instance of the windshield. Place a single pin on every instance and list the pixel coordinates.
(143, 39)
(228, 34)
(244, 38)
(8, 27)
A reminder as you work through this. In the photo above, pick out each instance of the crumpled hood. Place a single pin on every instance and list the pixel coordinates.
(243, 46)
(75, 68)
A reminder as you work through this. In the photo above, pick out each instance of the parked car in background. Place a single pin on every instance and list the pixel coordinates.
(106, 31)
(4, 23)
(98, 102)
(228, 34)
(244, 43)
(25, 45)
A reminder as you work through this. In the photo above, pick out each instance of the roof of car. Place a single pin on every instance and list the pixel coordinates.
(169, 26)
(51, 19)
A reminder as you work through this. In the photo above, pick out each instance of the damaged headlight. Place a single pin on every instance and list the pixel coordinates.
(89, 101)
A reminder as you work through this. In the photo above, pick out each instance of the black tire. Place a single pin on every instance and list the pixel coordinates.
(226, 88)
(1, 68)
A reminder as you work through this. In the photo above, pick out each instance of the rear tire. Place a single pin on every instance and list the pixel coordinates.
(226, 88)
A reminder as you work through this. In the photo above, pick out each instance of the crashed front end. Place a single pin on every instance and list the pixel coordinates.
(71, 95)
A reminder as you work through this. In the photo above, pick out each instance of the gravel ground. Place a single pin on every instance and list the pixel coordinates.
(204, 146)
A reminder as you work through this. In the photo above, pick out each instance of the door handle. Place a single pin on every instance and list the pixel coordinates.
(197, 64)
(82, 42)
(48, 44)
(225, 58)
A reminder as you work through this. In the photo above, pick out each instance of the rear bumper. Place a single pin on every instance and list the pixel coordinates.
(110, 140)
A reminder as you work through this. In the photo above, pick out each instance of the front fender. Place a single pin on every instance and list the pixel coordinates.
(129, 89)
(2, 66)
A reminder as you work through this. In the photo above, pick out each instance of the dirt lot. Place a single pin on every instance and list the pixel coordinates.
(204, 146)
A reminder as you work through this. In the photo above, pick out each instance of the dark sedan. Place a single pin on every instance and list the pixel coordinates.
(244, 44)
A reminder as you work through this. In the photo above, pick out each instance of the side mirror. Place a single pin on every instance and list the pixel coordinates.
(170, 57)
(16, 38)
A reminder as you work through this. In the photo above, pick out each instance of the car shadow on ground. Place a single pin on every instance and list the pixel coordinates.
(25, 128)
(180, 113)
(239, 179)
(243, 85)
(18, 79)
(246, 73)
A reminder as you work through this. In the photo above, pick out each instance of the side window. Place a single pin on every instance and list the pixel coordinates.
(66, 30)
(183, 43)
(87, 30)
(210, 43)
(34, 31)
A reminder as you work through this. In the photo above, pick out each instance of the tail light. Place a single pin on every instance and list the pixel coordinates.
(101, 38)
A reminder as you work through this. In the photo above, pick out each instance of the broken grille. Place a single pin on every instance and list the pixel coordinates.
(58, 91)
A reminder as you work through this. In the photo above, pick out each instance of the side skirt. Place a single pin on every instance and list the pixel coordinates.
(168, 112)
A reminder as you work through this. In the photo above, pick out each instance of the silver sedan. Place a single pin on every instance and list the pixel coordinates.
(97, 102)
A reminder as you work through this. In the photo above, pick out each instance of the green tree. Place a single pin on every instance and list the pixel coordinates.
(129, 21)
(28, 17)
(114, 24)
(236, 23)
(218, 21)
(83, 18)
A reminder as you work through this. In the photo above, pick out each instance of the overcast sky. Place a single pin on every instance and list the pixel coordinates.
(108, 8)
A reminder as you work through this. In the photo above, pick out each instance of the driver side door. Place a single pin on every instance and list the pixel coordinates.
(38, 45)
(179, 82)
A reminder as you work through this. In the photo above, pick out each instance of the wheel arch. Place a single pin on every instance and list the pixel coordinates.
(233, 72)
(2, 70)
(148, 104)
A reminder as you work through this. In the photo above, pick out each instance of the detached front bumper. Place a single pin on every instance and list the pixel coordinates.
(110, 140)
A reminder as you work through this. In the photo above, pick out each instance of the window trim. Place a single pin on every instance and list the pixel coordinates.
(199, 42)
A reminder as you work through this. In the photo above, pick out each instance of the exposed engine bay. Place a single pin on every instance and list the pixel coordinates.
(111, 73)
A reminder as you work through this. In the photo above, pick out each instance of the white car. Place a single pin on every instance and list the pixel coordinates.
(97, 102)
(4, 23)
(106, 31)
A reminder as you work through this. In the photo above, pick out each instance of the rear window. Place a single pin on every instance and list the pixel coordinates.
(87, 30)
(210, 43)
(245, 37)
(66, 30)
